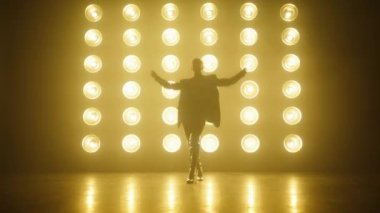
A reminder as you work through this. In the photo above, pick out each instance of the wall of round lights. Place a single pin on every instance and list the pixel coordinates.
(170, 63)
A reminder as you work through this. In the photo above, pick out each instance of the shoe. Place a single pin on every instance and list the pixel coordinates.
(200, 178)
(189, 181)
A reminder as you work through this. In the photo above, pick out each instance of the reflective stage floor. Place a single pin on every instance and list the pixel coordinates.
(168, 192)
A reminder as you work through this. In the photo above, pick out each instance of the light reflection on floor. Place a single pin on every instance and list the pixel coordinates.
(168, 192)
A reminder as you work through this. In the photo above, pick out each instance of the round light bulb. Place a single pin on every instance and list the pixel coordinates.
(249, 115)
(131, 12)
(92, 116)
(288, 12)
(248, 36)
(171, 143)
(170, 116)
(132, 37)
(250, 143)
(170, 63)
(131, 143)
(131, 90)
(291, 89)
(209, 143)
(93, 37)
(170, 93)
(210, 63)
(290, 36)
(93, 13)
(91, 143)
(249, 62)
(92, 64)
(293, 143)
(169, 12)
(208, 37)
(92, 90)
(291, 63)
(170, 37)
(131, 116)
(292, 115)
(209, 11)
(249, 89)
(248, 11)
(131, 63)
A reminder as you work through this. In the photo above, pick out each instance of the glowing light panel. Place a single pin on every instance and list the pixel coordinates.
(210, 63)
(288, 12)
(290, 36)
(170, 37)
(293, 143)
(248, 36)
(131, 63)
(92, 116)
(170, 93)
(209, 143)
(292, 115)
(291, 89)
(250, 143)
(169, 12)
(209, 11)
(131, 143)
(91, 143)
(93, 37)
(131, 12)
(93, 13)
(249, 62)
(170, 63)
(171, 143)
(131, 90)
(170, 116)
(249, 115)
(131, 116)
(291, 63)
(93, 64)
(132, 37)
(92, 90)
(208, 37)
(249, 89)
(248, 11)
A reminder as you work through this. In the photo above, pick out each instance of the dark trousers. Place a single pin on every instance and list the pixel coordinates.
(193, 131)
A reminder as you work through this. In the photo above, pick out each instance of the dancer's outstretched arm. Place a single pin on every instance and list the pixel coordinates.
(163, 82)
(233, 79)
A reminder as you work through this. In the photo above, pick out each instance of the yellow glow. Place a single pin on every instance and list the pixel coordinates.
(293, 192)
(131, 116)
(170, 63)
(170, 93)
(249, 62)
(92, 116)
(91, 143)
(288, 12)
(131, 143)
(172, 195)
(291, 89)
(248, 36)
(210, 63)
(293, 143)
(132, 37)
(131, 90)
(90, 195)
(209, 36)
(292, 115)
(248, 11)
(249, 89)
(170, 116)
(169, 12)
(93, 37)
(249, 115)
(250, 143)
(92, 90)
(130, 195)
(93, 13)
(291, 63)
(131, 12)
(209, 143)
(209, 11)
(170, 37)
(251, 195)
(93, 64)
(290, 36)
(171, 143)
(131, 63)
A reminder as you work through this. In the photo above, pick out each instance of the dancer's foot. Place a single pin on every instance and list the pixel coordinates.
(190, 180)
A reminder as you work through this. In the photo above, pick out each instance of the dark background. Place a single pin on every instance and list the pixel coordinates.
(41, 125)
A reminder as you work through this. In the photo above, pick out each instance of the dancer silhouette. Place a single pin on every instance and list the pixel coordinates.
(198, 103)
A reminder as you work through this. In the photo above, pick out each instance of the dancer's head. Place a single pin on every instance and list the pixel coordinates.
(197, 65)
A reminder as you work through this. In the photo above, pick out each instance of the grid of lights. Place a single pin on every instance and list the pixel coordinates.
(92, 90)
(291, 88)
(170, 63)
